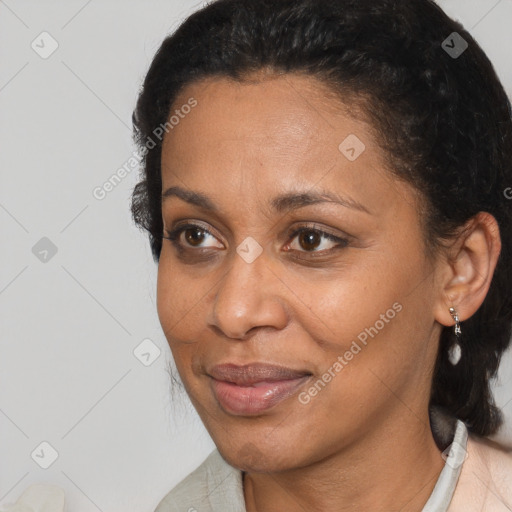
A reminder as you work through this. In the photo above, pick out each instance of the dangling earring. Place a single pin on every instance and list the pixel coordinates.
(455, 351)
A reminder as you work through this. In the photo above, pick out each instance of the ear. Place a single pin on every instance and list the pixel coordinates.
(466, 274)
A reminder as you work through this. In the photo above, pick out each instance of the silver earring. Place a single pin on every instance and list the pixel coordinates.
(455, 351)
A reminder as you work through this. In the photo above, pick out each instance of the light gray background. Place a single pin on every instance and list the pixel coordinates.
(69, 326)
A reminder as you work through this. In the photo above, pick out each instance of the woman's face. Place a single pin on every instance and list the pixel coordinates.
(297, 249)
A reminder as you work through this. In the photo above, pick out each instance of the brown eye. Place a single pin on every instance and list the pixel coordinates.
(310, 240)
(194, 236)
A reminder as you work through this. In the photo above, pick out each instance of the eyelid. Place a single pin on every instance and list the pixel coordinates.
(340, 236)
(320, 229)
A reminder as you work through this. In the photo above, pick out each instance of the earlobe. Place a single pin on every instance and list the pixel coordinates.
(469, 268)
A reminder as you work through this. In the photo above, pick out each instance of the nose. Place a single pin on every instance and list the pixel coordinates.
(250, 296)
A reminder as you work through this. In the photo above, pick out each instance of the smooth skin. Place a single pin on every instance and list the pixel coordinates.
(364, 441)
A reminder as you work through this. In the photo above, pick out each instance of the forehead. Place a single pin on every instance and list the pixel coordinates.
(266, 106)
(255, 137)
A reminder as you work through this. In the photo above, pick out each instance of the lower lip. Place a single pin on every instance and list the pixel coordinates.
(250, 400)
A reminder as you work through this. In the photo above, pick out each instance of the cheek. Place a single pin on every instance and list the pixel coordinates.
(172, 307)
(359, 303)
(179, 301)
(379, 341)
(182, 309)
(371, 312)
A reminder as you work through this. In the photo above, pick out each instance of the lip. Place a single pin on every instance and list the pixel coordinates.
(254, 388)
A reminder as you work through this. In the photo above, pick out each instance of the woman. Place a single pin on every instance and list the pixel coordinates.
(323, 190)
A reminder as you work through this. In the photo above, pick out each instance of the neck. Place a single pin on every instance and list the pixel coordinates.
(395, 468)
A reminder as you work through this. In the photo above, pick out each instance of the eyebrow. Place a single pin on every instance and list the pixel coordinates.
(281, 203)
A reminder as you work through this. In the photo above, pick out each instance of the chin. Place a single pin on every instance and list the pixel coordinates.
(259, 457)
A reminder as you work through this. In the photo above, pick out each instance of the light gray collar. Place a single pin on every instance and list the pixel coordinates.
(454, 455)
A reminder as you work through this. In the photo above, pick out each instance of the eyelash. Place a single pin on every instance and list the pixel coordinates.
(175, 234)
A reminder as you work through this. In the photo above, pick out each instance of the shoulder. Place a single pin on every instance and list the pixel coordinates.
(495, 461)
(213, 486)
(485, 482)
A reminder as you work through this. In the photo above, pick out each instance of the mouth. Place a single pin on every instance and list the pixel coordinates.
(251, 389)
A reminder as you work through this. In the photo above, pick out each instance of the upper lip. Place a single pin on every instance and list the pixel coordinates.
(248, 374)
